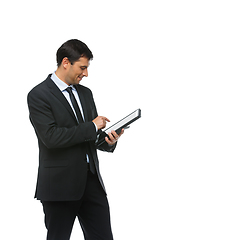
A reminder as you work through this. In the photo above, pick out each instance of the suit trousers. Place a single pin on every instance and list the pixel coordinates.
(92, 211)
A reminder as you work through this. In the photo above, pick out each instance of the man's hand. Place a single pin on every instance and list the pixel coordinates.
(100, 122)
(113, 137)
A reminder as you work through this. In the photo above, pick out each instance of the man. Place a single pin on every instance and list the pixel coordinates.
(65, 119)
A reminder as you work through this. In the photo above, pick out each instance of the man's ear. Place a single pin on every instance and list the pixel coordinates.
(65, 63)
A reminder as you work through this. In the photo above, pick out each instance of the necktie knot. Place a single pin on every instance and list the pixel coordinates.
(69, 90)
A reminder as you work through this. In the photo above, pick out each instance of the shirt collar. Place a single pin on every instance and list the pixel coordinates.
(61, 85)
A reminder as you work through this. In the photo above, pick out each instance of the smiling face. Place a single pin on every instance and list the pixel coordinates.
(74, 73)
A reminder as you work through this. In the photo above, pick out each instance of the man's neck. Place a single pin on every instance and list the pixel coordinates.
(61, 75)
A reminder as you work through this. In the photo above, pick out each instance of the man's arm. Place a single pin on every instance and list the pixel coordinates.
(47, 129)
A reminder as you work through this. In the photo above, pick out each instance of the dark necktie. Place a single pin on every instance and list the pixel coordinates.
(79, 116)
(74, 103)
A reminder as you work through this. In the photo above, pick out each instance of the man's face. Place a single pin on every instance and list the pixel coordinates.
(77, 70)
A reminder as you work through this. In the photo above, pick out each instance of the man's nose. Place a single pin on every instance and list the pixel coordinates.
(85, 72)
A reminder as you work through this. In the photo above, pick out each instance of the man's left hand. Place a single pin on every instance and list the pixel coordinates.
(113, 137)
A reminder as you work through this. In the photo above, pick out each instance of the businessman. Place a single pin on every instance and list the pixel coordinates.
(65, 119)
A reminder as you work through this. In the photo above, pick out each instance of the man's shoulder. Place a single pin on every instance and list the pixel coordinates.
(41, 88)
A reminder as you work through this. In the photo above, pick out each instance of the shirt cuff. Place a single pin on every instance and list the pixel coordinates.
(95, 126)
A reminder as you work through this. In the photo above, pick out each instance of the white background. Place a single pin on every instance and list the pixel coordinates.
(175, 172)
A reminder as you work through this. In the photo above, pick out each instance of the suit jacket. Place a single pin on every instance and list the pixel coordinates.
(62, 171)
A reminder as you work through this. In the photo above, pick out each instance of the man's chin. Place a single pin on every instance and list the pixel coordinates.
(78, 80)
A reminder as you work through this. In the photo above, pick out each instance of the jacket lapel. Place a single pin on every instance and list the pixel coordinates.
(58, 94)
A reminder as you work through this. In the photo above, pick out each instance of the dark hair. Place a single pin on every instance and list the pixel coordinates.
(73, 49)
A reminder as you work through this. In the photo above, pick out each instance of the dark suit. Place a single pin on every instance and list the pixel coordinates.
(63, 143)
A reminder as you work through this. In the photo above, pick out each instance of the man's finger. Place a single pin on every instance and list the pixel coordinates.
(106, 119)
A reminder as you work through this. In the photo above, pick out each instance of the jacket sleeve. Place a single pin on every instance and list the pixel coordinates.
(47, 130)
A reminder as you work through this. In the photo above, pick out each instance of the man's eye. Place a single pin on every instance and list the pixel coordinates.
(83, 68)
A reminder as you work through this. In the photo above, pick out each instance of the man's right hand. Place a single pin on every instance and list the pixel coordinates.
(101, 122)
